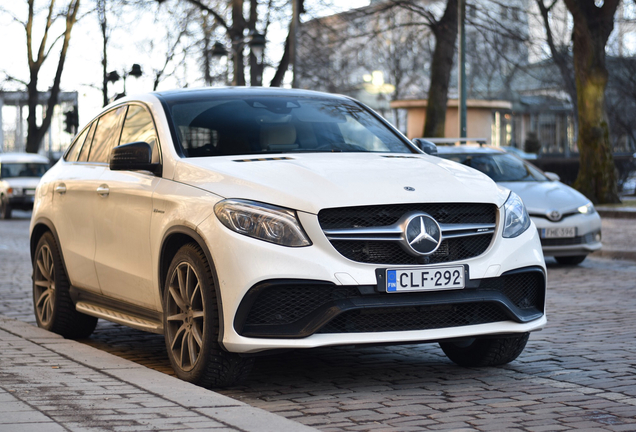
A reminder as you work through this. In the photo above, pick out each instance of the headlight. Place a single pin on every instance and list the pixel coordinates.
(262, 221)
(516, 219)
(14, 191)
(587, 209)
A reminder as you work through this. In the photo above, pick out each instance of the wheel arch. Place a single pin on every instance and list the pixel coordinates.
(40, 227)
(172, 241)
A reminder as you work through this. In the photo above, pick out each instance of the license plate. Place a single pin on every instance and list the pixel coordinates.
(427, 279)
(558, 232)
(29, 192)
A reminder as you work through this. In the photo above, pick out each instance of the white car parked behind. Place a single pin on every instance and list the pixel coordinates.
(19, 176)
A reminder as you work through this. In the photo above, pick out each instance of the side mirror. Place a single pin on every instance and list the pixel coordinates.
(552, 176)
(425, 145)
(132, 157)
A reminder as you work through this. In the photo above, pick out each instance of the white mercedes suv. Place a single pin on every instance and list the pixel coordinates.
(243, 220)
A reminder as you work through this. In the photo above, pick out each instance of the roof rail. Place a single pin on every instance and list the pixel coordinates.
(456, 141)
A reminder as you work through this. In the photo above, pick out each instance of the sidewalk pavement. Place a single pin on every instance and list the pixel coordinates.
(618, 230)
(48, 383)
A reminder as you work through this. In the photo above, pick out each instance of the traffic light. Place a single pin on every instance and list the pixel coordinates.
(71, 120)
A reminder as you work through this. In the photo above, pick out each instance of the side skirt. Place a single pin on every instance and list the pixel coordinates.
(117, 311)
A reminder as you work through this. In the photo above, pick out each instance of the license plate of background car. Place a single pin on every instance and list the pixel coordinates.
(558, 232)
(425, 279)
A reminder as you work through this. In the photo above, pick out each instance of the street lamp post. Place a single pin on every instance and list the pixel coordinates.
(254, 40)
(135, 71)
(461, 63)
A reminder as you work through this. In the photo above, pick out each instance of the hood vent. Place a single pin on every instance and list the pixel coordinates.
(263, 159)
(401, 157)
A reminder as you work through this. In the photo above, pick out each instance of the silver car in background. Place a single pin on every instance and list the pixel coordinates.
(568, 224)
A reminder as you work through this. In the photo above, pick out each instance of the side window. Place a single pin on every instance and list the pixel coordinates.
(140, 127)
(106, 135)
(71, 156)
(86, 148)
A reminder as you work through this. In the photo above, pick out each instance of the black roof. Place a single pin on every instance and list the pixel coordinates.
(194, 94)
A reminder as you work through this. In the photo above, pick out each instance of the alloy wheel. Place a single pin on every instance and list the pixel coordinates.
(185, 316)
(44, 281)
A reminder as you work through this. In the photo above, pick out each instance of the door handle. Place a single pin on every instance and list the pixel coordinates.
(103, 191)
(61, 188)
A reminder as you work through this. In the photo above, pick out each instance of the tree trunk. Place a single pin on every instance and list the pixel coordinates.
(592, 26)
(256, 66)
(445, 31)
(277, 81)
(561, 58)
(236, 35)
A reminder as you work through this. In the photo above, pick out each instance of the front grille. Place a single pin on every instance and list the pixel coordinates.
(545, 216)
(588, 238)
(382, 251)
(383, 215)
(414, 318)
(327, 308)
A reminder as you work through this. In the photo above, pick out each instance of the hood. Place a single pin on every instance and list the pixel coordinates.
(23, 182)
(311, 182)
(541, 197)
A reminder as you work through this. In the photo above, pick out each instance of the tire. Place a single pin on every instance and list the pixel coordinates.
(485, 351)
(5, 208)
(52, 304)
(191, 324)
(570, 260)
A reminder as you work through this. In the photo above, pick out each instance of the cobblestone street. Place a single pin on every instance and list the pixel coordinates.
(577, 374)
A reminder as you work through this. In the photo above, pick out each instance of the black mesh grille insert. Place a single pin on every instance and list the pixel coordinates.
(386, 252)
(284, 304)
(414, 318)
(523, 289)
(383, 215)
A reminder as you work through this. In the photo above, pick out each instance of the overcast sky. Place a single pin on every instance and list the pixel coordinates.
(129, 43)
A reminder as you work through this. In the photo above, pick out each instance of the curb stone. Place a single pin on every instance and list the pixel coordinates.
(57, 372)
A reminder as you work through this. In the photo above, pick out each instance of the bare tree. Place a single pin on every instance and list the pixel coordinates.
(445, 31)
(561, 55)
(37, 57)
(592, 28)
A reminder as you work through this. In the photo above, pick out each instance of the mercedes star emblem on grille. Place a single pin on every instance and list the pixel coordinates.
(422, 234)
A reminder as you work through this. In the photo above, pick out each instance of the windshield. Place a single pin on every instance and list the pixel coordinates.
(275, 124)
(9, 170)
(500, 167)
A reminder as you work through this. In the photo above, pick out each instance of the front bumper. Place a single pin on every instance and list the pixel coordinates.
(22, 202)
(298, 308)
(586, 241)
(249, 264)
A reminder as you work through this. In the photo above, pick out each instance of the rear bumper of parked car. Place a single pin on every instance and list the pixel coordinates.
(586, 241)
(270, 300)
